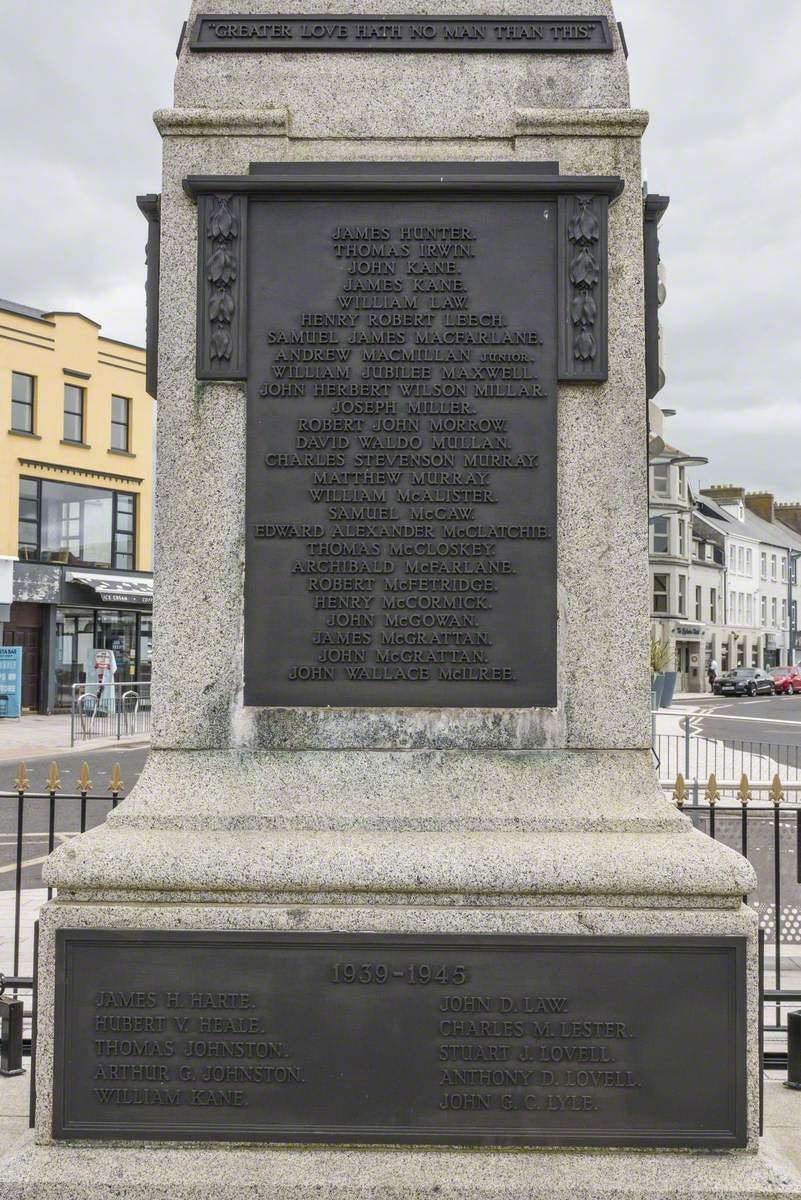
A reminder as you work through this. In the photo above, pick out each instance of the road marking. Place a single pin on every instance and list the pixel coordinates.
(32, 862)
(754, 720)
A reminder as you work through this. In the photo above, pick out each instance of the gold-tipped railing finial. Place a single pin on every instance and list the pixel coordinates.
(115, 783)
(776, 793)
(680, 791)
(744, 791)
(53, 783)
(21, 781)
(712, 791)
(84, 782)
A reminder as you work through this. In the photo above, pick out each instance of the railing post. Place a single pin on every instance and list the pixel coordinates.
(21, 783)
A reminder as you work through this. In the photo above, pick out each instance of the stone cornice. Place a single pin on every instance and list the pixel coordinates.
(580, 122)
(222, 122)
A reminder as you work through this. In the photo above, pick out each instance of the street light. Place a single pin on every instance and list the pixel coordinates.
(792, 558)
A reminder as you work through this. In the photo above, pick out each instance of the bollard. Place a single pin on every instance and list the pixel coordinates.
(794, 1050)
(11, 1037)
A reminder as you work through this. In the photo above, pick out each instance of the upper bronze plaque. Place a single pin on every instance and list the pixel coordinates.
(401, 470)
(316, 32)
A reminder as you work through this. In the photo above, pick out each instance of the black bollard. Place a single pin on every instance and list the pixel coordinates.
(794, 1050)
(11, 1037)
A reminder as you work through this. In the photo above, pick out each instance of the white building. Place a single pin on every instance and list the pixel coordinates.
(723, 570)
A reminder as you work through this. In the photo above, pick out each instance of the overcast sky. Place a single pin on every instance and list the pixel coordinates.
(720, 78)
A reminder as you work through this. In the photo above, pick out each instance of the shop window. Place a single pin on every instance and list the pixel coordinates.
(120, 422)
(74, 398)
(73, 524)
(724, 657)
(741, 652)
(661, 593)
(22, 392)
(661, 535)
(755, 654)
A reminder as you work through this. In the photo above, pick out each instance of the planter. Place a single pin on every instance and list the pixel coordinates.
(657, 689)
(668, 688)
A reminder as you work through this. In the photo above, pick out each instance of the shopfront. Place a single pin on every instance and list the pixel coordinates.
(72, 614)
(689, 657)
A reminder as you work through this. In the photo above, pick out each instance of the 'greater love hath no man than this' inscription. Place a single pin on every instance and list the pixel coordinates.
(401, 476)
(519, 34)
(381, 1039)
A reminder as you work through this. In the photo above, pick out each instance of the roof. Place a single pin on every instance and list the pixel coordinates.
(22, 310)
(40, 314)
(752, 526)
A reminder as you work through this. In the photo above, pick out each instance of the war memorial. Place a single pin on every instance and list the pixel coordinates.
(397, 907)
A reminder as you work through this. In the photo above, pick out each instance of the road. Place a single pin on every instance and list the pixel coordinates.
(774, 719)
(36, 813)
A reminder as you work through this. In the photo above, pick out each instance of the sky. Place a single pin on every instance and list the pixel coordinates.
(719, 77)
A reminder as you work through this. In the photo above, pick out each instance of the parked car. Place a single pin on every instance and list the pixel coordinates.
(743, 681)
(786, 680)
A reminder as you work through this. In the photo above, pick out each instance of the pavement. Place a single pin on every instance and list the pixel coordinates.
(32, 736)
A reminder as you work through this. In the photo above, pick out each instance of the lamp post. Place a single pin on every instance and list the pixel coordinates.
(792, 558)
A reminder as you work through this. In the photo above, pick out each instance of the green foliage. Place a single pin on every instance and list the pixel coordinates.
(660, 655)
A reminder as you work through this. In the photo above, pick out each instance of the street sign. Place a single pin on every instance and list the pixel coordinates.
(10, 681)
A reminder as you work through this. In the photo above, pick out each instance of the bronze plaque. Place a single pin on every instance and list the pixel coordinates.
(360, 1038)
(401, 462)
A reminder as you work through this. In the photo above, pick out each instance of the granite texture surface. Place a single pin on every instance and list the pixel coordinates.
(541, 863)
(426, 917)
(434, 790)
(157, 1172)
(405, 95)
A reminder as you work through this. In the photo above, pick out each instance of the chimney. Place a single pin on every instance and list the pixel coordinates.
(724, 493)
(761, 503)
(790, 515)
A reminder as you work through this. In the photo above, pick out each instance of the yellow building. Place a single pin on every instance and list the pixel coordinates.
(76, 490)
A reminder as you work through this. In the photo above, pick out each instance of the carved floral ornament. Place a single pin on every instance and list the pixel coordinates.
(221, 272)
(584, 232)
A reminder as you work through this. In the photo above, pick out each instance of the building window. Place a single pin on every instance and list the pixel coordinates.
(713, 605)
(749, 562)
(784, 570)
(682, 595)
(763, 565)
(682, 538)
(732, 613)
(784, 613)
(724, 656)
(661, 479)
(697, 552)
(73, 412)
(749, 609)
(773, 612)
(755, 654)
(741, 652)
(740, 560)
(124, 531)
(21, 402)
(794, 611)
(120, 422)
(661, 538)
(773, 566)
(699, 601)
(682, 482)
(740, 608)
(732, 558)
(661, 594)
(73, 524)
(764, 610)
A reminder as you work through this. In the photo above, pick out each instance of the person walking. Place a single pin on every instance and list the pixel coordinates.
(712, 673)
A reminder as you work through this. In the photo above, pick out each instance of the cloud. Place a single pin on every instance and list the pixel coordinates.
(720, 79)
(722, 84)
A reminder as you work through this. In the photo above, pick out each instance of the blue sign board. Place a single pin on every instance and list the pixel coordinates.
(10, 681)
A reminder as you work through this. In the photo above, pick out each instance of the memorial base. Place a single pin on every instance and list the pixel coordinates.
(153, 1172)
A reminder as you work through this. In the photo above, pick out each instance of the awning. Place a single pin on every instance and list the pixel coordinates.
(126, 588)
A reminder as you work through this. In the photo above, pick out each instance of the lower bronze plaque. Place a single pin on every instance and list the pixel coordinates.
(454, 1040)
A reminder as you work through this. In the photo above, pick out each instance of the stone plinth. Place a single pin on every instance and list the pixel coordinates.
(398, 820)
